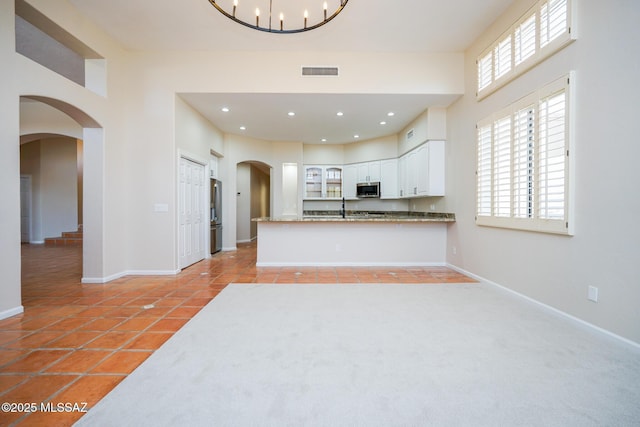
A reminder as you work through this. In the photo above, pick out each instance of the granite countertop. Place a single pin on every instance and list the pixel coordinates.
(364, 216)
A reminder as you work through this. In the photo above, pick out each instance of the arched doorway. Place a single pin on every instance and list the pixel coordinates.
(46, 119)
(253, 186)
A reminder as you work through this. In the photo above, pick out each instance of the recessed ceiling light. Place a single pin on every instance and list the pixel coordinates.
(291, 113)
(356, 136)
(383, 122)
(243, 128)
(225, 109)
(391, 114)
(324, 140)
(340, 113)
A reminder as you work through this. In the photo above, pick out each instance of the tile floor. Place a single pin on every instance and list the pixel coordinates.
(75, 342)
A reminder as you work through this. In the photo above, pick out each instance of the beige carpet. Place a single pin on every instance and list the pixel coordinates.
(378, 355)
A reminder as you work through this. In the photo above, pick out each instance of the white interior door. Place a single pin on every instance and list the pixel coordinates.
(25, 208)
(192, 212)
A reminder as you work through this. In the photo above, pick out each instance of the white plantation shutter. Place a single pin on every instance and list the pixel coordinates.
(485, 71)
(502, 57)
(484, 170)
(502, 167)
(523, 164)
(552, 157)
(525, 40)
(553, 21)
(523, 146)
(542, 31)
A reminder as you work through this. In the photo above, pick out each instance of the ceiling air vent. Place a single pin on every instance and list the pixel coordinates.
(410, 134)
(319, 71)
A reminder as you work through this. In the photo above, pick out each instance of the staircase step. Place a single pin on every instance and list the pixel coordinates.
(72, 234)
(68, 238)
(60, 241)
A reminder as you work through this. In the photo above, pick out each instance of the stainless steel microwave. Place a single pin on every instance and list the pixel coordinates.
(369, 189)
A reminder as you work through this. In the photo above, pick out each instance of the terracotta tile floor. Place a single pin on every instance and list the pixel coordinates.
(75, 342)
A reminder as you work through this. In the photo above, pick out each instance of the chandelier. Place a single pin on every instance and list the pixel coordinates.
(280, 16)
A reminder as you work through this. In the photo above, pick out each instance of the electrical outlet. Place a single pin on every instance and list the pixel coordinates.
(338, 247)
(454, 250)
(592, 295)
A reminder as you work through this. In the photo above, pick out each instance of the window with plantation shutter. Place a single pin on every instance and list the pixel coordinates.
(523, 157)
(485, 71)
(523, 164)
(552, 156)
(502, 167)
(502, 55)
(484, 170)
(525, 40)
(553, 21)
(542, 31)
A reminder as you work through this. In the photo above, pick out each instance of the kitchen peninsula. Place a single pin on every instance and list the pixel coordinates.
(357, 239)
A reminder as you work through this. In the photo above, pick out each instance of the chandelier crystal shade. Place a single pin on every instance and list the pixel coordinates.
(280, 16)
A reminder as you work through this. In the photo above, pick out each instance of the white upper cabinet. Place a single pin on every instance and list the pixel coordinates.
(322, 182)
(418, 173)
(333, 182)
(369, 171)
(389, 179)
(402, 176)
(435, 185)
(349, 181)
(421, 171)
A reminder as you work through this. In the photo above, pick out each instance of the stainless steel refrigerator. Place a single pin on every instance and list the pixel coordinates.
(216, 215)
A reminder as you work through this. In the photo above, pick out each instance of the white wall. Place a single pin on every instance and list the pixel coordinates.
(604, 252)
(157, 76)
(39, 118)
(10, 294)
(243, 203)
(194, 133)
(52, 163)
(105, 210)
(323, 154)
(431, 124)
(274, 154)
(260, 197)
(373, 149)
(59, 175)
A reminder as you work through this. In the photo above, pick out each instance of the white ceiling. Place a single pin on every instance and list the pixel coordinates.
(363, 26)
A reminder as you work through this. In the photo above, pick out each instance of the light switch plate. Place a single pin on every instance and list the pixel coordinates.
(161, 207)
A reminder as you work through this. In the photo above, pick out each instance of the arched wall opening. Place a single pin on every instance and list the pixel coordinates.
(46, 119)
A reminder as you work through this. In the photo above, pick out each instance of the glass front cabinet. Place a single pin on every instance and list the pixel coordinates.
(323, 182)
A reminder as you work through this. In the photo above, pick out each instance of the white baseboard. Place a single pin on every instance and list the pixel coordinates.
(546, 306)
(11, 312)
(107, 279)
